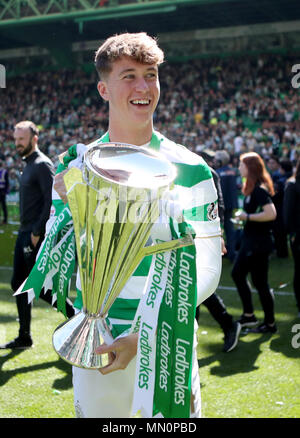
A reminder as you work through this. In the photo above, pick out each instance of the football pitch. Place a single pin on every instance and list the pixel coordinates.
(260, 378)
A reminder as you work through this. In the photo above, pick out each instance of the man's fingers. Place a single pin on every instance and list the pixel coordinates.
(121, 352)
(112, 366)
(59, 185)
(104, 348)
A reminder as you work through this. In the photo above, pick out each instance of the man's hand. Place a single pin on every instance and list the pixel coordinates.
(60, 187)
(242, 216)
(34, 240)
(121, 352)
(224, 249)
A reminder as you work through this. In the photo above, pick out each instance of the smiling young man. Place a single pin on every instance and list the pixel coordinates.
(132, 90)
(128, 70)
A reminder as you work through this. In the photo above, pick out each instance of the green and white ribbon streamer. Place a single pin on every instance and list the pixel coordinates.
(61, 280)
(54, 265)
(175, 330)
(165, 319)
(148, 314)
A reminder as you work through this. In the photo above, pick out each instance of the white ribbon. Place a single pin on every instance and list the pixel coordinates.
(146, 317)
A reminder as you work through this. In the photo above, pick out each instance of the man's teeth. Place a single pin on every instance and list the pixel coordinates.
(141, 102)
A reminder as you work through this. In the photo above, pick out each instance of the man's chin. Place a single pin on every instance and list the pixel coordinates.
(24, 152)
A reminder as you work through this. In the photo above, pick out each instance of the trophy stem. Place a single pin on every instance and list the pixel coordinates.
(76, 340)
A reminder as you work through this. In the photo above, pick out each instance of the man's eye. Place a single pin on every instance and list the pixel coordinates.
(151, 75)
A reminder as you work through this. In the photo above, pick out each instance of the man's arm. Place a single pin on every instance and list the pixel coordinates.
(45, 177)
(202, 214)
(6, 182)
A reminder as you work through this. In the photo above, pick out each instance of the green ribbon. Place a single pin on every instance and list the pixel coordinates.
(175, 333)
(57, 242)
(61, 281)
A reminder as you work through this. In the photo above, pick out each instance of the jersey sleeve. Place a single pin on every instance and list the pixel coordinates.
(198, 196)
(200, 200)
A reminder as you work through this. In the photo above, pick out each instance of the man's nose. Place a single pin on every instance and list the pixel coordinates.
(141, 85)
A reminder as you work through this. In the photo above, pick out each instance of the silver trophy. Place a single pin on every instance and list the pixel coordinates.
(114, 200)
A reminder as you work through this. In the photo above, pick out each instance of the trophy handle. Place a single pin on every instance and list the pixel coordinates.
(187, 240)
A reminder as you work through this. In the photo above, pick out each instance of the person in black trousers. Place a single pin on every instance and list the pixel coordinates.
(4, 187)
(291, 215)
(279, 178)
(35, 202)
(214, 303)
(256, 244)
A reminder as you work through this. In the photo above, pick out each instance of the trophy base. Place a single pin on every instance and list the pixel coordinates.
(75, 341)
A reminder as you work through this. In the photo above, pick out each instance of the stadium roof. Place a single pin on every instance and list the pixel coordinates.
(46, 23)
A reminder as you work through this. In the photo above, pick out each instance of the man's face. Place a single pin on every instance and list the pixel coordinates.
(132, 90)
(23, 141)
(273, 165)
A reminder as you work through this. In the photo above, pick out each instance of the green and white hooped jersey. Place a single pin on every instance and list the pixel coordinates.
(197, 195)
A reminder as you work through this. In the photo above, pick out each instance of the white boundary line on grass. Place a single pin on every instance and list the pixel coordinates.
(9, 268)
(254, 290)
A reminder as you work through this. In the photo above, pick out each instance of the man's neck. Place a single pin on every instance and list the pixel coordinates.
(137, 137)
(31, 152)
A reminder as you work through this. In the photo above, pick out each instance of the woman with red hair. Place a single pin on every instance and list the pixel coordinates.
(256, 243)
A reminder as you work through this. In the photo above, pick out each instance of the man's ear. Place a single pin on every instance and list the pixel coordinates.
(102, 90)
(34, 140)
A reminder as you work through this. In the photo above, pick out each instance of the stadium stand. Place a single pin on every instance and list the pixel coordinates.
(207, 103)
(232, 87)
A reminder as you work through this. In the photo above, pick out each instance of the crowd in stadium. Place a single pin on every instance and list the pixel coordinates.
(237, 104)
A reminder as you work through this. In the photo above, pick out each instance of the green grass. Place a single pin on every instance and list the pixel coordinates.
(8, 234)
(34, 383)
(259, 379)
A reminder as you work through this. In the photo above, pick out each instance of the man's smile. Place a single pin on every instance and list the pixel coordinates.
(141, 102)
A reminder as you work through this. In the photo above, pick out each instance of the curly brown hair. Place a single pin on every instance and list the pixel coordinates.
(139, 46)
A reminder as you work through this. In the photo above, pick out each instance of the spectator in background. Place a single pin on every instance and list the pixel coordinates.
(35, 201)
(274, 168)
(291, 213)
(4, 187)
(281, 171)
(238, 143)
(229, 190)
(14, 181)
(237, 95)
(259, 212)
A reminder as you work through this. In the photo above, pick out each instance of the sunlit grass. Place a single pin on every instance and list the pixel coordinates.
(259, 379)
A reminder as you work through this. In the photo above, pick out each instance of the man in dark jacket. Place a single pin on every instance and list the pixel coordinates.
(291, 215)
(279, 176)
(4, 186)
(35, 202)
(229, 189)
